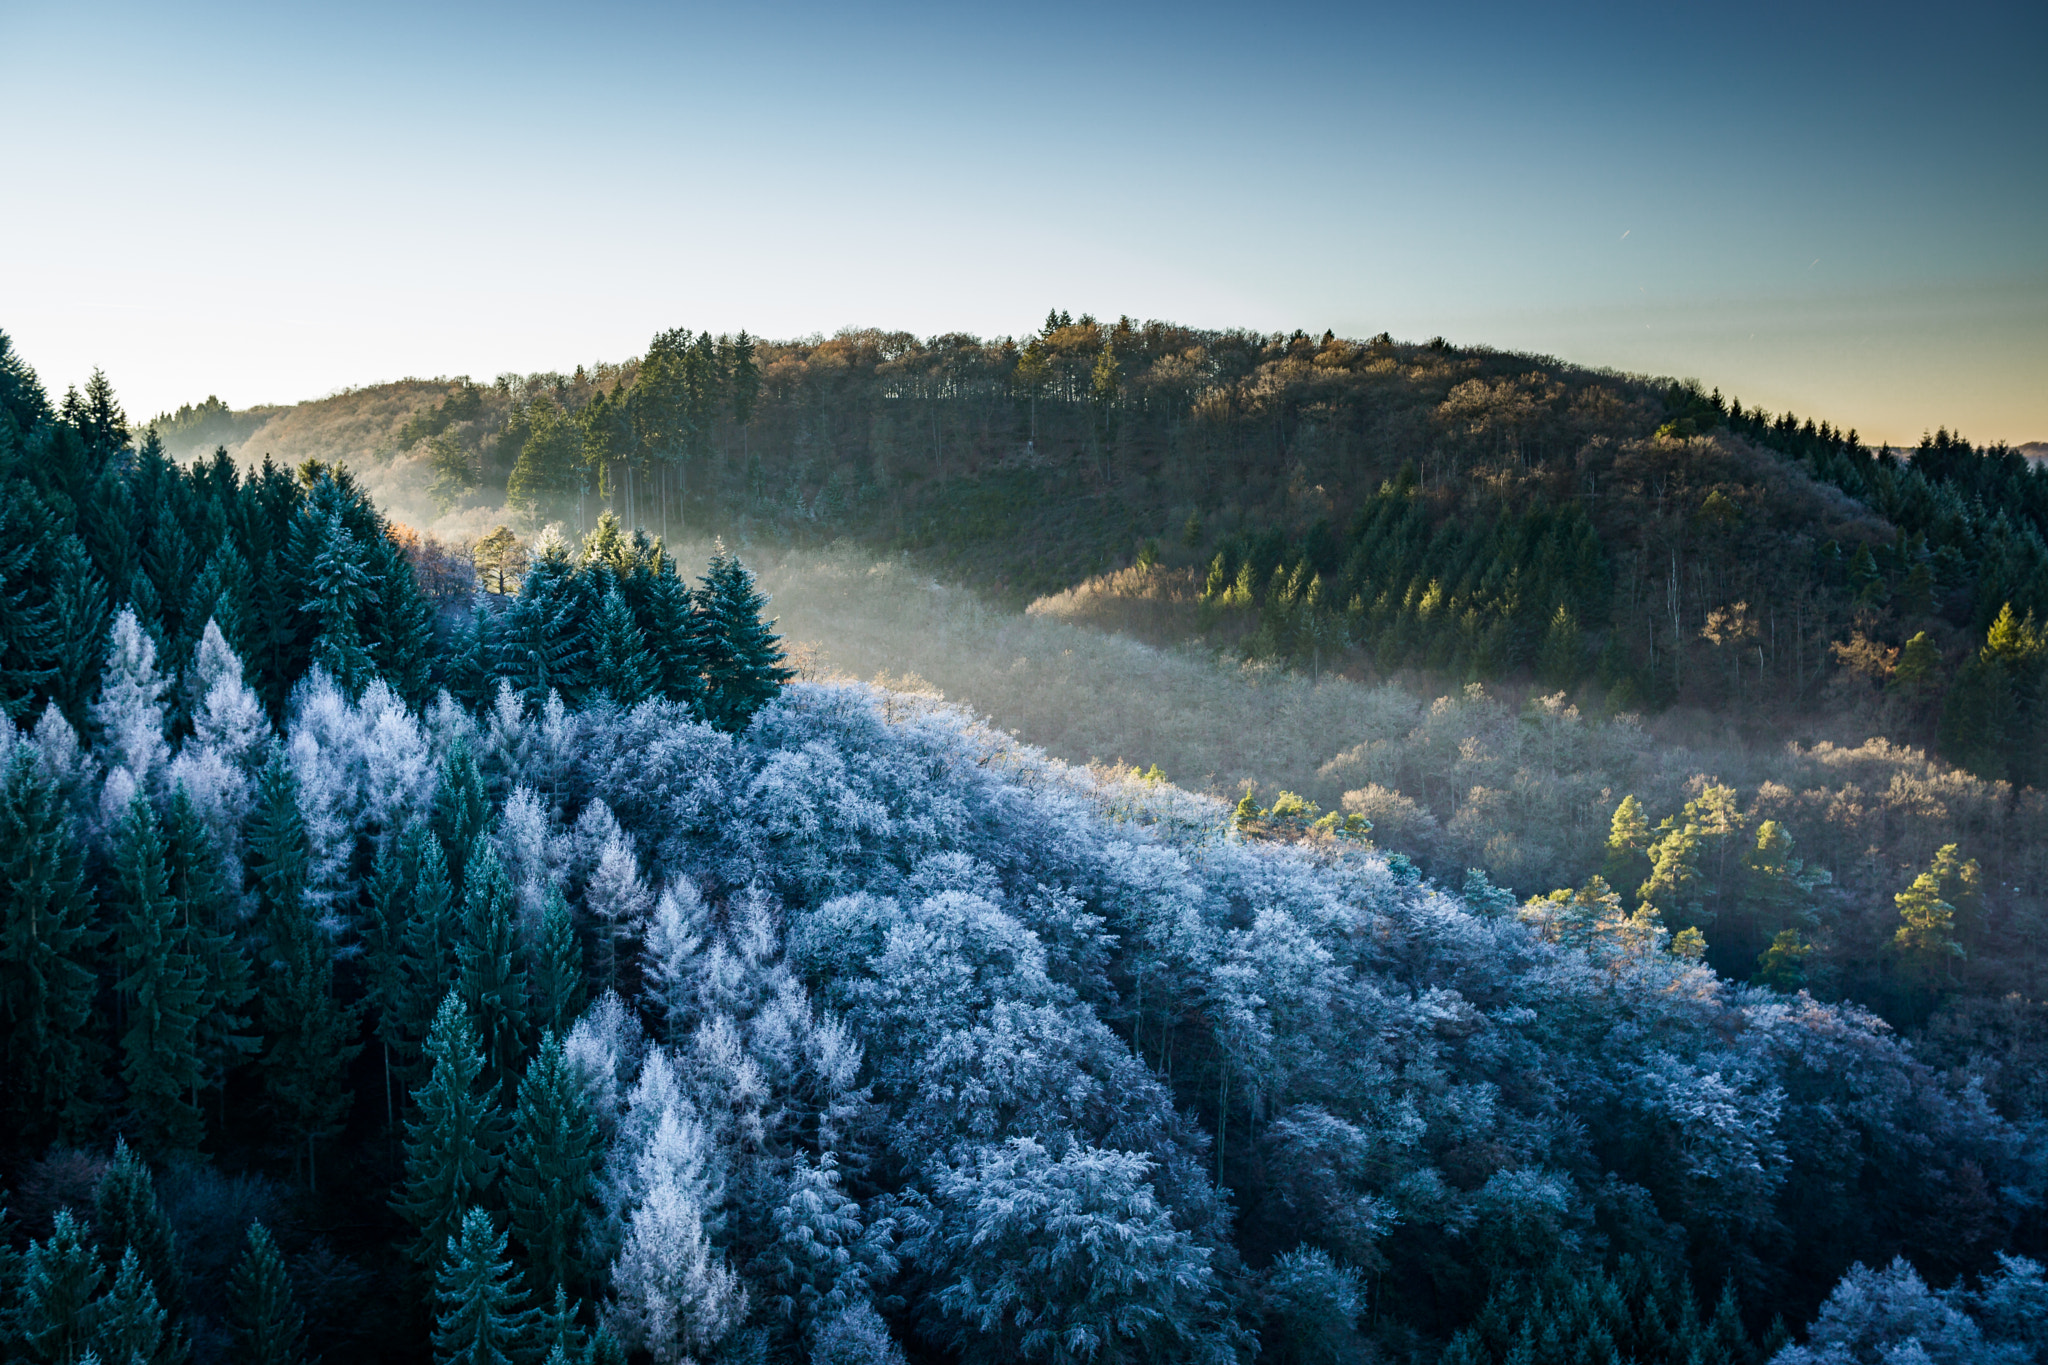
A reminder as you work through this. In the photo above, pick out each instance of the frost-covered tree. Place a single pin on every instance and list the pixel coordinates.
(263, 1315)
(481, 1316)
(1875, 1317)
(533, 854)
(823, 1262)
(452, 1144)
(617, 902)
(669, 958)
(129, 718)
(672, 1295)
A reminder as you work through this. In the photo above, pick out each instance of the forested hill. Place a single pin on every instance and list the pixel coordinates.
(1371, 506)
(576, 987)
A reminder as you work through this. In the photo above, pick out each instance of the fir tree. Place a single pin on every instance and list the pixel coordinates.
(559, 1335)
(388, 928)
(78, 605)
(743, 667)
(60, 1279)
(128, 1222)
(558, 976)
(461, 807)
(163, 987)
(677, 636)
(47, 947)
(337, 587)
(481, 1316)
(540, 643)
(471, 670)
(266, 1322)
(309, 1032)
(129, 715)
(623, 669)
(489, 980)
(429, 969)
(451, 1146)
(29, 638)
(129, 1324)
(550, 1167)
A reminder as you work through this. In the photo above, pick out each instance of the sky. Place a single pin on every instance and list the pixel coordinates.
(1840, 209)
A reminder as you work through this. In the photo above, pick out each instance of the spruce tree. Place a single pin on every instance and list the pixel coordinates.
(128, 1221)
(337, 586)
(471, 669)
(489, 980)
(309, 1033)
(676, 636)
(60, 1280)
(558, 976)
(550, 1168)
(432, 931)
(622, 668)
(47, 948)
(79, 620)
(743, 667)
(266, 1322)
(28, 635)
(451, 1145)
(163, 989)
(559, 1335)
(129, 1325)
(461, 806)
(481, 1317)
(129, 716)
(541, 639)
(386, 933)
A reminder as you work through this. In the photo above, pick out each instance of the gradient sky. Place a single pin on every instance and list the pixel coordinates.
(1837, 208)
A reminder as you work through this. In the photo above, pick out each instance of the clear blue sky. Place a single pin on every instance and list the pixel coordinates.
(1838, 208)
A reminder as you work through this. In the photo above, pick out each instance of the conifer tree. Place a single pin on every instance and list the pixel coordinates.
(541, 640)
(558, 1334)
(461, 807)
(266, 1322)
(61, 1277)
(558, 976)
(743, 667)
(481, 1317)
(128, 1221)
(451, 1145)
(428, 948)
(79, 620)
(387, 930)
(490, 981)
(550, 1166)
(676, 636)
(623, 669)
(129, 1324)
(47, 947)
(29, 637)
(337, 587)
(129, 715)
(309, 1033)
(163, 987)
(471, 671)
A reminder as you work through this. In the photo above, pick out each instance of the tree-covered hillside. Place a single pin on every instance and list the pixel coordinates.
(563, 982)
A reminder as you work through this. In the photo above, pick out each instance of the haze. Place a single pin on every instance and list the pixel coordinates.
(1831, 208)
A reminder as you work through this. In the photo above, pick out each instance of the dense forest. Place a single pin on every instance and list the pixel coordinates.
(397, 966)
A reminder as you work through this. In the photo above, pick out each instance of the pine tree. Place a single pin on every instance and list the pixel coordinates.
(267, 1324)
(163, 988)
(451, 1146)
(550, 1167)
(60, 1280)
(623, 669)
(490, 982)
(481, 1317)
(128, 1222)
(743, 669)
(558, 976)
(129, 1323)
(47, 947)
(310, 1034)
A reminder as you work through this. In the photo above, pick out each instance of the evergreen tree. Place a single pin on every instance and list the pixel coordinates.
(559, 1336)
(550, 1167)
(222, 1039)
(558, 976)
(429, 969)
(541, 640)
(471, 670)
(481, 1316)
(78, 606)
(338, 585)
(163, 988)
(29, 637)
(623, 669)
(309, 1032)
(47, 947)
(677, 636)
(128, 1222)
(451, 1146)
(61, 1278)
(266, 1322)
(129, 1324)
(743, 667)
(129, 715)
(387, 930)
(461, 807)
(489, 981)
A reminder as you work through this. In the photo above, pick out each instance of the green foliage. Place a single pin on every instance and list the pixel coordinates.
(551, 1162)
(743, 659)
(128, 1221)
(558, 976)
(129, 1323)
(481, 1316)
(46, 973)
(268, 1327)
(164, 991)
(488, 977)
(60, 1281)
(452, 1144)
